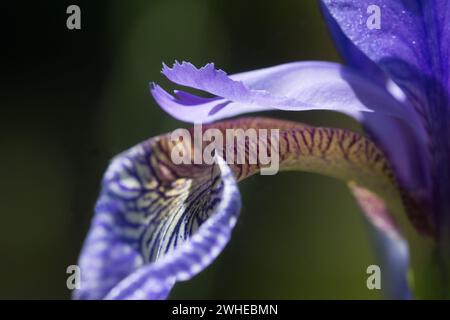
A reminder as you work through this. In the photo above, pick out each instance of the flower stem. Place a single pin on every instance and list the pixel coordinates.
(430, 272)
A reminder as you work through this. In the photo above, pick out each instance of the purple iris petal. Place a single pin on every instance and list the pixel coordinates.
(293, 87)
(395, 139)
(155, 280)
(148, 233)
(408, 155)
(141, 243)
(181, 107)
(411, 45)
(305, 86)
(352, 55)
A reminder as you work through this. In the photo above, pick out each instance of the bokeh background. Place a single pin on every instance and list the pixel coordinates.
(70, 100)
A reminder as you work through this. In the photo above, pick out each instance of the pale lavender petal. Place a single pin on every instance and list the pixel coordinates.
(292, 87)
(305, 86)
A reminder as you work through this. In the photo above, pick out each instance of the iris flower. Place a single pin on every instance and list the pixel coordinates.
(157, 223)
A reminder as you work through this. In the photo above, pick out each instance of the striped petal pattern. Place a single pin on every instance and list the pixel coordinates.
(157, 223)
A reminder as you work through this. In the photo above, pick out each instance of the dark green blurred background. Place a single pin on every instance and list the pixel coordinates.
(70, 100)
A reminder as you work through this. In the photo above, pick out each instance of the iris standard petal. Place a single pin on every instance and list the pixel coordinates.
(293, 87)
(351, 54)
(155, 225)
(411, 42)
(412, 46)
(396, 139)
